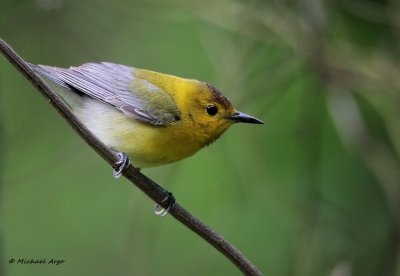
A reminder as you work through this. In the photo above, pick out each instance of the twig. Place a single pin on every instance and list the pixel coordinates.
(149, 187)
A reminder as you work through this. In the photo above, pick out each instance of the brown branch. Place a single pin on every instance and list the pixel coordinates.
(149, 187)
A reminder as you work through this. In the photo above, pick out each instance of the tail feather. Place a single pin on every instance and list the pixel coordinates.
(70, 95)
(46, 72)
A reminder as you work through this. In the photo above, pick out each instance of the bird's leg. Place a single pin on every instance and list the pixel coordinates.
(121, 164)
(124, 162)
(159, 211)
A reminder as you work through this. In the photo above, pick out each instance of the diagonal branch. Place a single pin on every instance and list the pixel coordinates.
(149, 187)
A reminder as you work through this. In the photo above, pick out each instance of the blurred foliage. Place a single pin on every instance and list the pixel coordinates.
(313, 192)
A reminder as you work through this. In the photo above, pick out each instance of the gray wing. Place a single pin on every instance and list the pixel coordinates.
(116, 85)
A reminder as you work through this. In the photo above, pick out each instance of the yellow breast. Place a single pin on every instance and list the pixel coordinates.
(147, 145)
(150, 146)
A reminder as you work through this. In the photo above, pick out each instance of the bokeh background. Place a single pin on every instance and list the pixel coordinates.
(315, 191)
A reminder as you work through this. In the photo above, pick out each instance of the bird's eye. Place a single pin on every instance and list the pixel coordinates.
(212, 110)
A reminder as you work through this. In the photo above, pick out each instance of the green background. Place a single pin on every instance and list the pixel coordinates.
(314, 191)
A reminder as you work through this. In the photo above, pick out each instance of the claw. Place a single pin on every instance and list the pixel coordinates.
(121, 164)
(162, 212)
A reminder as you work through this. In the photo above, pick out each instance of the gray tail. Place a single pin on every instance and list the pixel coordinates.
(73, 100)
(47, 74)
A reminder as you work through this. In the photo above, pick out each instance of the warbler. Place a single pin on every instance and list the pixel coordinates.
(152, 117)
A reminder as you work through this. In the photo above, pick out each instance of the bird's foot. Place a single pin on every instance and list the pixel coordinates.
(122, 163)
(159, 210)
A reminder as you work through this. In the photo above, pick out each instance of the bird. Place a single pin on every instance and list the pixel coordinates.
(150, 118)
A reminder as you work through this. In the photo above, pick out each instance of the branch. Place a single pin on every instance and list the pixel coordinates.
(149, 187)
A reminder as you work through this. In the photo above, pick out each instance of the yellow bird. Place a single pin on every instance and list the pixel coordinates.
(154, 118)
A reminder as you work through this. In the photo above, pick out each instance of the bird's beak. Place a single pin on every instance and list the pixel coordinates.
(239, 117)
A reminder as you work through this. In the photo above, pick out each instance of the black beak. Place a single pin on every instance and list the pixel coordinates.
(240, 117)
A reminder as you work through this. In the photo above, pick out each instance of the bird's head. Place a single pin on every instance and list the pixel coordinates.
(211, 112)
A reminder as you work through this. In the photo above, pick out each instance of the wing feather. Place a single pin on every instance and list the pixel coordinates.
(115, 84)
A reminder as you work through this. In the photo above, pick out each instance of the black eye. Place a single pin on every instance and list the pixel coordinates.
(212, 110)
